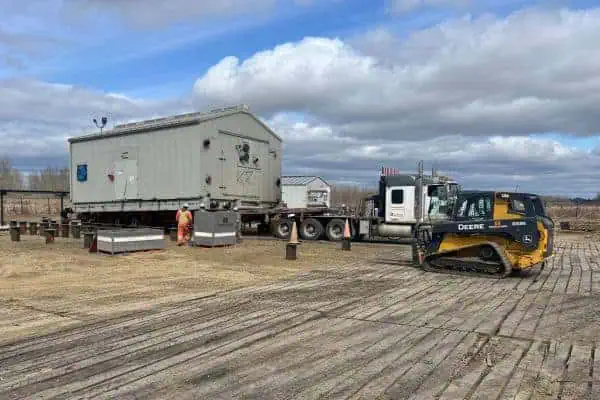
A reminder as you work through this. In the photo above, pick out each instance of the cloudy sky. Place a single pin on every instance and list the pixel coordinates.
(496, 93)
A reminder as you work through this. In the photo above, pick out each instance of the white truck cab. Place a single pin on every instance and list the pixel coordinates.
(399, 202)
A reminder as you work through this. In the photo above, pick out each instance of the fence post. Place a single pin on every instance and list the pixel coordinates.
(1, 208)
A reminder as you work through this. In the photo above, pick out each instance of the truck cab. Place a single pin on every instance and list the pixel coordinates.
(400, 206)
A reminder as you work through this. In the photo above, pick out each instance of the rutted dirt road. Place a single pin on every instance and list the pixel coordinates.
(373, 327)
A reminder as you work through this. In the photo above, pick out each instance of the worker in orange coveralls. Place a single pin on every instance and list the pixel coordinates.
(184, 220)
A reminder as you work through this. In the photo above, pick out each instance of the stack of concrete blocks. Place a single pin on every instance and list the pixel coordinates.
(215, 228)
(117, 241)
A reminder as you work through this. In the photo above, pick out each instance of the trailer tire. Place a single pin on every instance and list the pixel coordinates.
(335, 230)
(282, 228)
(133, 221)
(311, 229)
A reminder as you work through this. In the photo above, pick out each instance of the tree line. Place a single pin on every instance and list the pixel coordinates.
(54, 179)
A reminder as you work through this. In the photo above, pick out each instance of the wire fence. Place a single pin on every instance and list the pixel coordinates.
(28, 207)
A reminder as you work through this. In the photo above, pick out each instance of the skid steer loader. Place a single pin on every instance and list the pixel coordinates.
(488, 234)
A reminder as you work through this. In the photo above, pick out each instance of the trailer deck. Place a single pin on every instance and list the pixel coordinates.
(373, 326)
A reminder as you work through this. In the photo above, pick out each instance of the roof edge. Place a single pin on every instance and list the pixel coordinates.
(170, 122)
(263, 124)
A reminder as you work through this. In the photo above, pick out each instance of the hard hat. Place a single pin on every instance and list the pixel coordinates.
(186, 205)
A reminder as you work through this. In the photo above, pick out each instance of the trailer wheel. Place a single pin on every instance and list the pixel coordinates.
(133, 221)
(282, 228)
(311, 229)
(335, 229)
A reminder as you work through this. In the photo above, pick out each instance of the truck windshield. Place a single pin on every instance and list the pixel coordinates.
(438, 195)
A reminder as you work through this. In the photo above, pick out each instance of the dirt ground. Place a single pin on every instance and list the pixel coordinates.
(44, 283)
(243, 323)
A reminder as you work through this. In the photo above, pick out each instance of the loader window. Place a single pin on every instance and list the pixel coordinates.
(475, 207)
(538, 206)
(517, 205)
(397, 196)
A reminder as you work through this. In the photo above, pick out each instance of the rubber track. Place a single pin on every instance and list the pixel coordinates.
(429, 267)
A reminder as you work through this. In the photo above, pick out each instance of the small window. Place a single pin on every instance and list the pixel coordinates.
(518, 206)
(475, 207)
(433, 191)
(397, 196)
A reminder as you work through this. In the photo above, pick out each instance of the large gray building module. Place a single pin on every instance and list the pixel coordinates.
(212, 159)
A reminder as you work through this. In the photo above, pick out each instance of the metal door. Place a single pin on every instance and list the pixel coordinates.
(400, 204)
(126, 179)
(241, 163)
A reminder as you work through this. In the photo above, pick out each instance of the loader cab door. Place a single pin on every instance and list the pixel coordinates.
(476, 206)
(400, 204)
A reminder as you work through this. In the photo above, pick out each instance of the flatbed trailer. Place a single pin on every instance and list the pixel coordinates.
(311, 223)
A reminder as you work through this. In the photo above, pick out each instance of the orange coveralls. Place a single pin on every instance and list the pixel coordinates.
(184, 220)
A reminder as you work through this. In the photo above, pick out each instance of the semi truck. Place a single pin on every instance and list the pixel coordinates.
(401, 203)
(141, 173)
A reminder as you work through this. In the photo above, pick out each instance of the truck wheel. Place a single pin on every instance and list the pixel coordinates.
(311, 229)
(282, 228)
(335, 229)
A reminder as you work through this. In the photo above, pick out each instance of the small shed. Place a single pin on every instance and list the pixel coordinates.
(305, 192)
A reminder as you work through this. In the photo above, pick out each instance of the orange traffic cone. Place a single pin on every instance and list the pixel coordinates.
(292, 246)
(346, 243)
(294, 234)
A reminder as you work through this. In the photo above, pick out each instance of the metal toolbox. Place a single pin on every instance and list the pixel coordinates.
(215, 228)
(130, 240)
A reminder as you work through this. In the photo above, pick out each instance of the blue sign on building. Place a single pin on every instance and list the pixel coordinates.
(82, 172)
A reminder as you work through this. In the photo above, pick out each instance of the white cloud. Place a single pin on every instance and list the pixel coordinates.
(538, 165)
(534, 71)
(36, 117)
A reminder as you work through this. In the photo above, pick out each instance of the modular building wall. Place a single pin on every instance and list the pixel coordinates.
(218, 156)
(305, 192)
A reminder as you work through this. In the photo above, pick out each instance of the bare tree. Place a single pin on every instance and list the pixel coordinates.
(55, 179)
(10, 177)
(349, 195)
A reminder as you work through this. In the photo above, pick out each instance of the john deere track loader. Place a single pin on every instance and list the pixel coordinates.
(489, 234)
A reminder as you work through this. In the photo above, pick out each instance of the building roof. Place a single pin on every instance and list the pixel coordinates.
(300, 180)
(173, 121)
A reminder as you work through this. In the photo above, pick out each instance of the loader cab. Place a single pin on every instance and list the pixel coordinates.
(487, 205)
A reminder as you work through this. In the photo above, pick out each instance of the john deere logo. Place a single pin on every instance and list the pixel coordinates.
(469, 227)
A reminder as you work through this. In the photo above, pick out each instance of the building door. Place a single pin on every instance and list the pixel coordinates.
(126, 179)
(241, 165)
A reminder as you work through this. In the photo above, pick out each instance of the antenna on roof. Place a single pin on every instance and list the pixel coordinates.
(102, 123)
